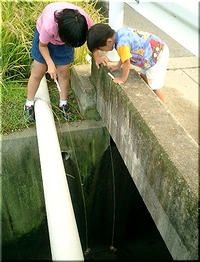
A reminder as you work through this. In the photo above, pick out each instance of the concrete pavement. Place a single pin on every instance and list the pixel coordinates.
(181, 87)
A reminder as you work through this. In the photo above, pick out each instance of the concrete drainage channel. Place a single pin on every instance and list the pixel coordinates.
(115, 213)
(112, 206)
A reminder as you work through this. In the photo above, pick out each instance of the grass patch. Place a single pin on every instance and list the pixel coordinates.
(17, 27)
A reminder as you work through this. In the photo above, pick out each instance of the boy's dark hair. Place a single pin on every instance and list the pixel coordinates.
(98, 35)
(72, 27)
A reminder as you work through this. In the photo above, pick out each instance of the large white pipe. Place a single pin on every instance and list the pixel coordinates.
(64, 238)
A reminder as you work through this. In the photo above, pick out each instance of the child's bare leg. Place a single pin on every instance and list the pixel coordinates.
(144, 77)
(160, 94)
(37, 73)
(63, 80)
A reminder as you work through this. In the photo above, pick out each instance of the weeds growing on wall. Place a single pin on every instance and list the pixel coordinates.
(17, 27)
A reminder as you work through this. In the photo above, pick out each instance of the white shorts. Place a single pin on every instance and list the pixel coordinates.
(156, 74)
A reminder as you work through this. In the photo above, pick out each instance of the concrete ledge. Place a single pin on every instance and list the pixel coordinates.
(85, 91)
(183, 28)
(183, 62)
(185, 12)
(161, 157)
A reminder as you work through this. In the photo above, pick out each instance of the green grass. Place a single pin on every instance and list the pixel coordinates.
(18, 20)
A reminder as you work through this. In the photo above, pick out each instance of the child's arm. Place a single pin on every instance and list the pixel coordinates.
(50, 64)
(125, 71)
(98, 59)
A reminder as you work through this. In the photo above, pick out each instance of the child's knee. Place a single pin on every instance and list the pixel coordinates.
(160, 94)
(63, 72)
(144, 77)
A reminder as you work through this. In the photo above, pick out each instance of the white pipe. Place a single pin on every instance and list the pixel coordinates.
(64, 238)
(116, 17)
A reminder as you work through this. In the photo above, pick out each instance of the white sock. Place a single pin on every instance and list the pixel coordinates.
(29, 102)
(62, 102)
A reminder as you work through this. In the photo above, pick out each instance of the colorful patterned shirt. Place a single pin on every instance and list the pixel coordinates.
(142, 48)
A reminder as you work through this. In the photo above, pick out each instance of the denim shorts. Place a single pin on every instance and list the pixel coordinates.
(60, 54)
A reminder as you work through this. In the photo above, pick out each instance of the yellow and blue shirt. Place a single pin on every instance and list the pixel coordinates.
(142, 48)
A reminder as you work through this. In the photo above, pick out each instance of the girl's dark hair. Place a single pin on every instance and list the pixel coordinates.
(72, 27)
(98, 35)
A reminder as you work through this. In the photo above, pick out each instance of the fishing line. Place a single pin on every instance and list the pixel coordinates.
(112, 248)
(83, 196)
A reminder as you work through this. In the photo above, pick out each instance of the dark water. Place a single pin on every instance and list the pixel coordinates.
(33, 246)
(117, 217)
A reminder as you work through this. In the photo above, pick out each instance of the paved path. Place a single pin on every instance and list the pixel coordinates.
(181, 87)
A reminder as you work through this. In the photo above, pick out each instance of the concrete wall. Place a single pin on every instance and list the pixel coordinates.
(23, 206)
(161, 157)
(178, 19)
(22, 194)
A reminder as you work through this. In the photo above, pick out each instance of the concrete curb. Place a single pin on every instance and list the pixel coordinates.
(160, 155)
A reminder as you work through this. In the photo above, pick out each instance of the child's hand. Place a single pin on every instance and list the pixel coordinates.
(98, 59)
(101, 60)
(52, 71)
(125, 71)
(118, 80)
